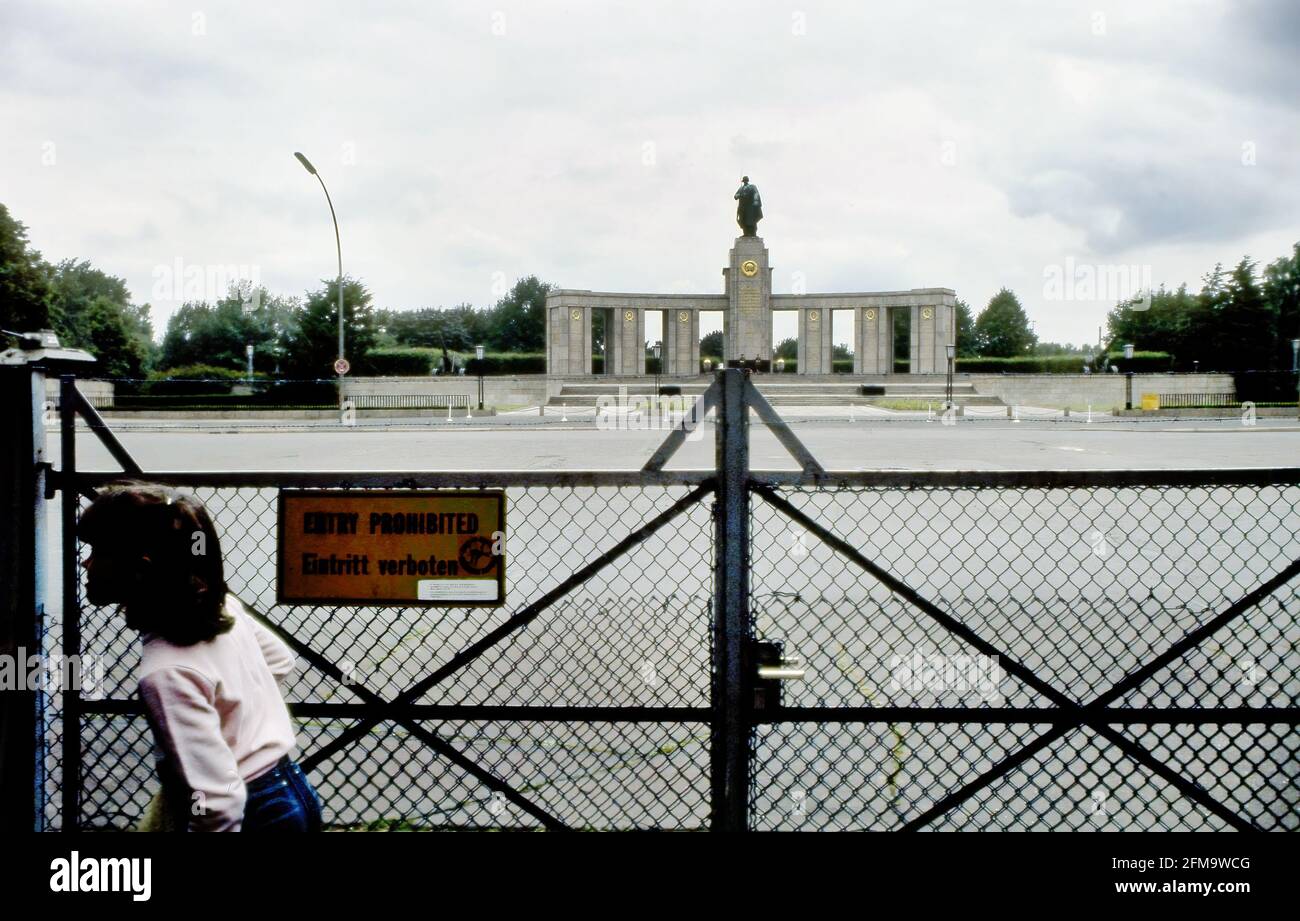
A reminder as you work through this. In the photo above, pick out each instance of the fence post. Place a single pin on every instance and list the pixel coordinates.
(69, 505)
(731, 629)
(22, 573)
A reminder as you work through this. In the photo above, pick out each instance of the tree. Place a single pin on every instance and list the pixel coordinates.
(711, 345)
(1247, 321)
(967, 344)
(311, 342)
(1002, 328)
(92, 310)
(518, 321)
(24, 279)
(218, 334)
(1282, 291)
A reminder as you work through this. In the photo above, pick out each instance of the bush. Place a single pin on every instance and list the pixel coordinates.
(410, 362)
(187, 380)
(1061, 364)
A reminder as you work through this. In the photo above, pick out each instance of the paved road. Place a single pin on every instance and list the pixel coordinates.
(842, 445)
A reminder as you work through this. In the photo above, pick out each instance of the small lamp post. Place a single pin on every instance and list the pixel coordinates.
(248, 350)
(1295, 366)
(656, 350)
(951, 349)
(1128, 376)
(708, 365)
(780, 366)
(478, 360)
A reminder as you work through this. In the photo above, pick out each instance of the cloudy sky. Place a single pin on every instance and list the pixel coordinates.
(597, 145)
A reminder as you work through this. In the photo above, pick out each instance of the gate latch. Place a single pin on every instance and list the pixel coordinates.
(773, 667)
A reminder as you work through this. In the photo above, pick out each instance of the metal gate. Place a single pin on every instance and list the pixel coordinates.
(734, 649)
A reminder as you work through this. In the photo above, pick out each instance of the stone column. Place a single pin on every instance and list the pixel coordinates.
(873, 332)
(682, 338)
(577, 322)
(814, 340)
(749, 301)
(926, 339)
(630, 327)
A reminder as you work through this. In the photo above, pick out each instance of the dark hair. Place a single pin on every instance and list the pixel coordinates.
(185, 600)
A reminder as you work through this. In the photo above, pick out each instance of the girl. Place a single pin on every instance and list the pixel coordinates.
(210, 675)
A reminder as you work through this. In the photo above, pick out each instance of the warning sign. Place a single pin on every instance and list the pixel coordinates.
(428, 548)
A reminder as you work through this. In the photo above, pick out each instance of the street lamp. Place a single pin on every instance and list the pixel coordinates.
(478, 359)
(951, 349)
(1295, 366)
(780, 366)
(340, 366)
(656, 350)
(1128, 376)
(248, 350)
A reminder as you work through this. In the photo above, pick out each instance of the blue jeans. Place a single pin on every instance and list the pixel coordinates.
(282, 799)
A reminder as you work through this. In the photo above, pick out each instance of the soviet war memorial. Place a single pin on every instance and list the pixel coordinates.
(747, 305)
(730, 420)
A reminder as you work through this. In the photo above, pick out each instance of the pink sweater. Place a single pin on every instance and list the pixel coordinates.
(218, 714)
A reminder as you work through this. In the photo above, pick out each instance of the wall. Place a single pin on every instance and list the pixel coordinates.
(1102, 391)
(99, 393)
(524, 389)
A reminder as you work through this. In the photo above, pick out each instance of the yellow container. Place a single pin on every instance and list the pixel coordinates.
(1150, 401)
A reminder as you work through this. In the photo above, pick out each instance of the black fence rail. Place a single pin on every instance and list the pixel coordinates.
(1197, 400)
(733, 649)
(408, 400)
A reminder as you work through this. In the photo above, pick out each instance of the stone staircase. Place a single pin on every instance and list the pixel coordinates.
(796, 392)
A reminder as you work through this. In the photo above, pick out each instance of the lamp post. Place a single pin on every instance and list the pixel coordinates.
(248, 350)
(951, 349)
(478, 359)
(656, 350)
(341, 365)
(1295, 366)
(780, 366)
(1128, 376)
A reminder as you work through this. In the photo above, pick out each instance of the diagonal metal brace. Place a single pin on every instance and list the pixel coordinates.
(518, 621)
(691, 420)
(781, 429)
(433, 740)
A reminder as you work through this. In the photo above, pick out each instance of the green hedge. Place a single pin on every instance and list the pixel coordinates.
(1061, 364)
(419, 362)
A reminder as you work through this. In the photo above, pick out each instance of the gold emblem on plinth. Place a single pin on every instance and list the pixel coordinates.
(812, 316)
(927, 313)
(576, 315)
(871, 313)
(749, 268)
(628, 315)
(684, 317)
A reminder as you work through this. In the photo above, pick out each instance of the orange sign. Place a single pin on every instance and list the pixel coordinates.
(417, 548)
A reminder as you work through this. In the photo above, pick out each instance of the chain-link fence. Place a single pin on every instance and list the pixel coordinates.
(631, 641)
(1082, 586)
(1092, 650)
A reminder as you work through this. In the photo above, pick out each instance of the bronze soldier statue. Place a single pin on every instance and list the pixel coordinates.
(750, 210)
